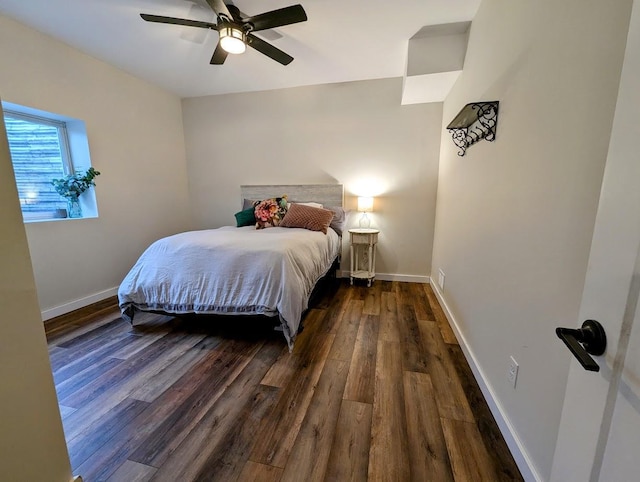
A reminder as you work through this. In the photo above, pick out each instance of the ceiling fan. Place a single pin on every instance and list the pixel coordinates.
(236, 31)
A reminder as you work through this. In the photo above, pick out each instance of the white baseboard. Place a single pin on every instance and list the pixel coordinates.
(520, 455)
(409, 278)
(80, 303)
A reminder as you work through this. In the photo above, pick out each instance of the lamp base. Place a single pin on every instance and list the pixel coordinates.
(364, 222)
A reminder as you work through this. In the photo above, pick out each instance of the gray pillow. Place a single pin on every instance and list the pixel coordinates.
(339, 218)
(248, 203)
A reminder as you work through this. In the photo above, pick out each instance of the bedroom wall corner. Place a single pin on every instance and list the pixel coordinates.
(514, 218)
(136, 141)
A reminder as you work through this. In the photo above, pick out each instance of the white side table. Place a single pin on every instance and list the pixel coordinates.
(363, 254)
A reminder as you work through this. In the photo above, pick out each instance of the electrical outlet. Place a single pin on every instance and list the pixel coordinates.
(512, 374)
(441, 279)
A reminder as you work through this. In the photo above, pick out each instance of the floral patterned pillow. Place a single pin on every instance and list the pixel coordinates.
(269, 212)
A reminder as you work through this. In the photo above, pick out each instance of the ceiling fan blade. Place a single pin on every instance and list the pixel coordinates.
(178, 21)
(268, 50)
(219, 55)
(277, 18)
(220, 8)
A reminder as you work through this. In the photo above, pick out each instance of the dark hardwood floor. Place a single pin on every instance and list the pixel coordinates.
(376, 388)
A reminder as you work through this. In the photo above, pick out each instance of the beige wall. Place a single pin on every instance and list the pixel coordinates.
(515, 217)
(354, 133)
(136, 141)
(32, 445)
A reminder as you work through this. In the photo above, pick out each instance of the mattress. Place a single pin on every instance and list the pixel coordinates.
(231, 271)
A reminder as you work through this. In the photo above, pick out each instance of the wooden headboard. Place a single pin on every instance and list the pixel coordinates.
(326, 194)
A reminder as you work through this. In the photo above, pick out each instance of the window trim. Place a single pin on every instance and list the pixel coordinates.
(63, 134)
(74, 152)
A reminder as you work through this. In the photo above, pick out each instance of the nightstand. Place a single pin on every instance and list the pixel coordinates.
(363, 254)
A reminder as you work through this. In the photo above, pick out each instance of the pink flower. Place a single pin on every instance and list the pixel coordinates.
(265, 210)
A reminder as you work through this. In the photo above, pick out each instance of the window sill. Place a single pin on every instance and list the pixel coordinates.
(53, 219)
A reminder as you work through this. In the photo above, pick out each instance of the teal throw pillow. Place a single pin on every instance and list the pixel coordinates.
(246, 217)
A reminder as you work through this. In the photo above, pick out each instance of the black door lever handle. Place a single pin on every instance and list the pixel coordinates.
(590, 339)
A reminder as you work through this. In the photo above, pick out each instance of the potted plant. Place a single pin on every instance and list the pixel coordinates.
(72, 186)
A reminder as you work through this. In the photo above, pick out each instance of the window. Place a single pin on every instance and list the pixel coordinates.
(43, 147)
(39, 152)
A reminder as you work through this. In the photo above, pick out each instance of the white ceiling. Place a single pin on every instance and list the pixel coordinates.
(342, 40)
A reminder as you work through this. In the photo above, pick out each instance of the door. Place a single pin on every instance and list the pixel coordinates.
(599, 436)
(32, 444)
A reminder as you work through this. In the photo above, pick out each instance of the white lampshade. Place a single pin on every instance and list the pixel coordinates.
(365, 204)
(232, 40)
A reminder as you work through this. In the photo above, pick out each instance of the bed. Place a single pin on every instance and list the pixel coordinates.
(242, 270)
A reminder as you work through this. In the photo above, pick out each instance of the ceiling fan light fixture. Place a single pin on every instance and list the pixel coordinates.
(236, 31)
(232, 40)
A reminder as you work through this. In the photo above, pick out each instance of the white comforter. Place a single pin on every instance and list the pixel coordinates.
(231, 270)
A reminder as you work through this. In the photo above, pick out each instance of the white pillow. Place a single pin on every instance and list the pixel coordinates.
(312, 204)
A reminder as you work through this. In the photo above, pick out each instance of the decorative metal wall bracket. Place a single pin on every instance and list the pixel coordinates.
(476, 121)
